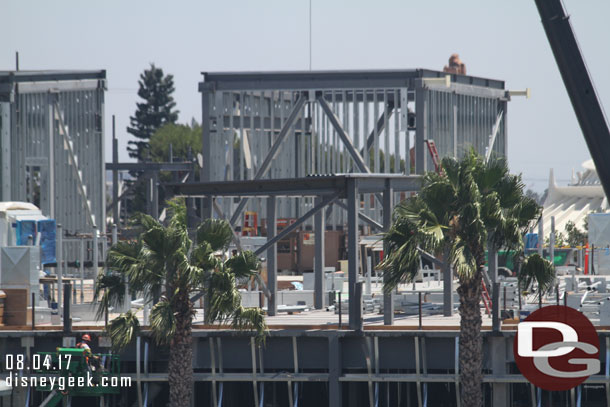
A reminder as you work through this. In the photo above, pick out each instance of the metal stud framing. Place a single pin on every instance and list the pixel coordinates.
(53, 137)
(289, 125)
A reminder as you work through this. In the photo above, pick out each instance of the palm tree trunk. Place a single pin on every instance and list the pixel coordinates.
(180, 374)
(471, 343)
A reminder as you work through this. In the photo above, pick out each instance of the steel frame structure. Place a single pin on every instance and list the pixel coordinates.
(324, 191)
(293, 124)
(52, 143)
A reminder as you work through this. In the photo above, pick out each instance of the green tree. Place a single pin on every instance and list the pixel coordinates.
(182, 139)
(164, 267)
(576, 237)
(453, 215)
(156, 109)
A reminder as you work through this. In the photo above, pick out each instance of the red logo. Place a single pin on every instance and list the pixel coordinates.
(556, 348)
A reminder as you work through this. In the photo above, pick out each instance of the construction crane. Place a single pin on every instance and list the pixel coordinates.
(579, 85)
(77, 363)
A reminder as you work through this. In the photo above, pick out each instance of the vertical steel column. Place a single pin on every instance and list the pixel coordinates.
(334, 370)
(59, 254)
(492, 259)
(66, 308)
(115, 175)
(101, 193)
(353, 205)
(155, 194)
(319, 278)
(149, 193)
(454, 98)
(206, 151)
(95, 253)
(396, 132)
(541, 236)
(504, 138)
(272, 256)
(498, 367)
(552, 242)
(447, 286)
(388, 203)
(50, 207)
(6, 151)
(81, 267)
(421, 126)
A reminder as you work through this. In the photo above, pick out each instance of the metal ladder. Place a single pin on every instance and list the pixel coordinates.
(434, 153)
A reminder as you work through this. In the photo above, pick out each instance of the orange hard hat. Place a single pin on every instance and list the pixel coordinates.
(86, 337)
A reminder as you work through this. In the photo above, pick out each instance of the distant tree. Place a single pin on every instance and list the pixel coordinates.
(156, 109)
(576, 237)
(533, 194)
(182, 139)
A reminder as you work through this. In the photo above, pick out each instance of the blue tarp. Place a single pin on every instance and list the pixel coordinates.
(531, 240)
(25, 229)
(46, 227)
(47, 240)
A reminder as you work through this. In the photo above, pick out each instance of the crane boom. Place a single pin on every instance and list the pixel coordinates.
(579, 85)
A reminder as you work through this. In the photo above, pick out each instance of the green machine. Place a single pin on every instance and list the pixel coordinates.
(76, 372)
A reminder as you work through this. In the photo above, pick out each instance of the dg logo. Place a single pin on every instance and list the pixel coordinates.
(556, 348)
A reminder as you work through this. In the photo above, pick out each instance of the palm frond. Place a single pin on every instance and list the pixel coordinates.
(123, 255)
(462, 259)
(216, 232)
(162, 322)
(250, 319)
(122, 329)
(223, 295)
(539, 270)
(177, 209)
(203, 256)
(243, 264)
(110, 292)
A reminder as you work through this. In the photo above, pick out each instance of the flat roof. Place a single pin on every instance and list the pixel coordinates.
(333, 79)
(50, 75)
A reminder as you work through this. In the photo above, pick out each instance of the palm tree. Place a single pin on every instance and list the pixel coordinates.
(163, 266)
(454, 213)
(540, 270)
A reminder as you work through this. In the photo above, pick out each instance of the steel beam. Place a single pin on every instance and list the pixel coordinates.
(307, 186)
(272, 256)
(345, 138)
(319, 276)
(149, 166)
(272, 154)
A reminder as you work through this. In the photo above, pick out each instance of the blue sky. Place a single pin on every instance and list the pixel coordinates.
(496, 39)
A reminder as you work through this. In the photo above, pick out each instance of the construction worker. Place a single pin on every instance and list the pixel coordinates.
(92, 361)
(85, 343)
